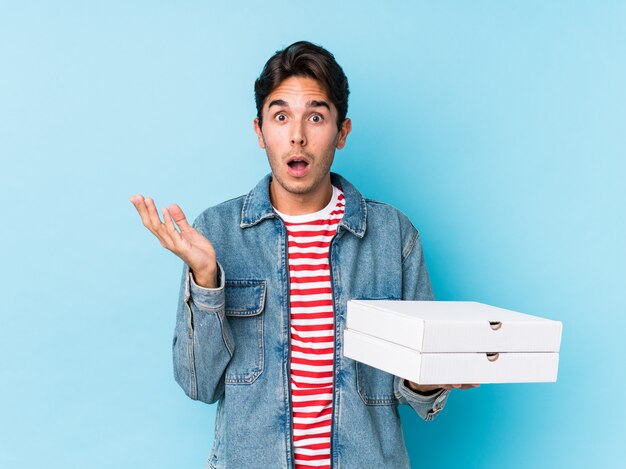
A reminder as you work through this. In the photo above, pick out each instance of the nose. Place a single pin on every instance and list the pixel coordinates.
(297, 135)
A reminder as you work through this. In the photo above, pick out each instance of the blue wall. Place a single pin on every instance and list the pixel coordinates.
(498, 127)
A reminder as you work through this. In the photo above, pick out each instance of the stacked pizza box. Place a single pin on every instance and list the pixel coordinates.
(452, 342)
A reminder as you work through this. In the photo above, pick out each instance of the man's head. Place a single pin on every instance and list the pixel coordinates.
(304, 59)
(302, 100)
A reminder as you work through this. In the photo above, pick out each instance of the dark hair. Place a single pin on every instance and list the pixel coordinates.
(304, 59)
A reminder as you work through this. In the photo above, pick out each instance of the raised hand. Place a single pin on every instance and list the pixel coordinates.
(193, 248)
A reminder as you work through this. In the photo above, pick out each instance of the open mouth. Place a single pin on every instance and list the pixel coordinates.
(298, 166)
(297, 163)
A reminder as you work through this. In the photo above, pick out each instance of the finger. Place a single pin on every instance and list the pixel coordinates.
(179, 218)
(170, 228)
(157, 229)
(470, 386)
(155, 220)
(136, 200)
(165, 236)
(140, 204)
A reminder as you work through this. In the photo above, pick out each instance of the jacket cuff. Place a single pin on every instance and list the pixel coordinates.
(207, 299)
(427, 406)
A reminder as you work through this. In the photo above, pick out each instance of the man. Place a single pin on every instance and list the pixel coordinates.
(265, 285)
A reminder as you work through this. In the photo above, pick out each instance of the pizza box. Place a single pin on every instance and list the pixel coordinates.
(447, 342)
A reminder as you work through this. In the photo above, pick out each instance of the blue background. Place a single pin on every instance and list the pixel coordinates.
(498, 127)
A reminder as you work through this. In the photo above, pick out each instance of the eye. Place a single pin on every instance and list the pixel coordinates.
(280, 117)
(316, 118)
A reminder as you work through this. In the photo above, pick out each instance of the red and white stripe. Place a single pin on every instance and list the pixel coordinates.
(312, 331)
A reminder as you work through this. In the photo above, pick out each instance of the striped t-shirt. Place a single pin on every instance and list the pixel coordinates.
(312, 330)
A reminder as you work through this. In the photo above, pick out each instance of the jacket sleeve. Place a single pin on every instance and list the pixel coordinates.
(416, 286)
(203, 343)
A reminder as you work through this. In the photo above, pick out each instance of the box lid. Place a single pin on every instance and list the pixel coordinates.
(453, 326)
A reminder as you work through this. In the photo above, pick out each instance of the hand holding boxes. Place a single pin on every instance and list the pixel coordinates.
(448, 342)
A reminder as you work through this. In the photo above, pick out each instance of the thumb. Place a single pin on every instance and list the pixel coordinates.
(179, 218)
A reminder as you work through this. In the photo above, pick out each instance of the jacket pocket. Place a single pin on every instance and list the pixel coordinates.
(245, 301)
(375, 387)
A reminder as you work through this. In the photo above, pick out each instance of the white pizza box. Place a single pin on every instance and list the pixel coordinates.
(450, 368)
(452, 342)
(453, 326)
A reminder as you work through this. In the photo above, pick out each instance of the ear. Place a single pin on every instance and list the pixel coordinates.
(259, 133)
(346, 127)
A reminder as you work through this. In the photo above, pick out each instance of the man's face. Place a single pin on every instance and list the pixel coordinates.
(300, 136)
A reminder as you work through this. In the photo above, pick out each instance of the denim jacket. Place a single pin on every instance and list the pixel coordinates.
(231, 343)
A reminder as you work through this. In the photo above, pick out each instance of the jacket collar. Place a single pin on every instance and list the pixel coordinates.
(257, 205)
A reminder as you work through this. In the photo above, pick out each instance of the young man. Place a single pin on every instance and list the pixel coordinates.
(265, 284)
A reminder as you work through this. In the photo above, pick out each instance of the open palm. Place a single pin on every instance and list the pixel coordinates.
(193, 248)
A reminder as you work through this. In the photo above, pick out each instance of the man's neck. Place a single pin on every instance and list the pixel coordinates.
(300, 204)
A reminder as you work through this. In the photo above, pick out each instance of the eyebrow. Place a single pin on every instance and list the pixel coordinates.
(312, 103)
(315, 103)
(278, 102)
